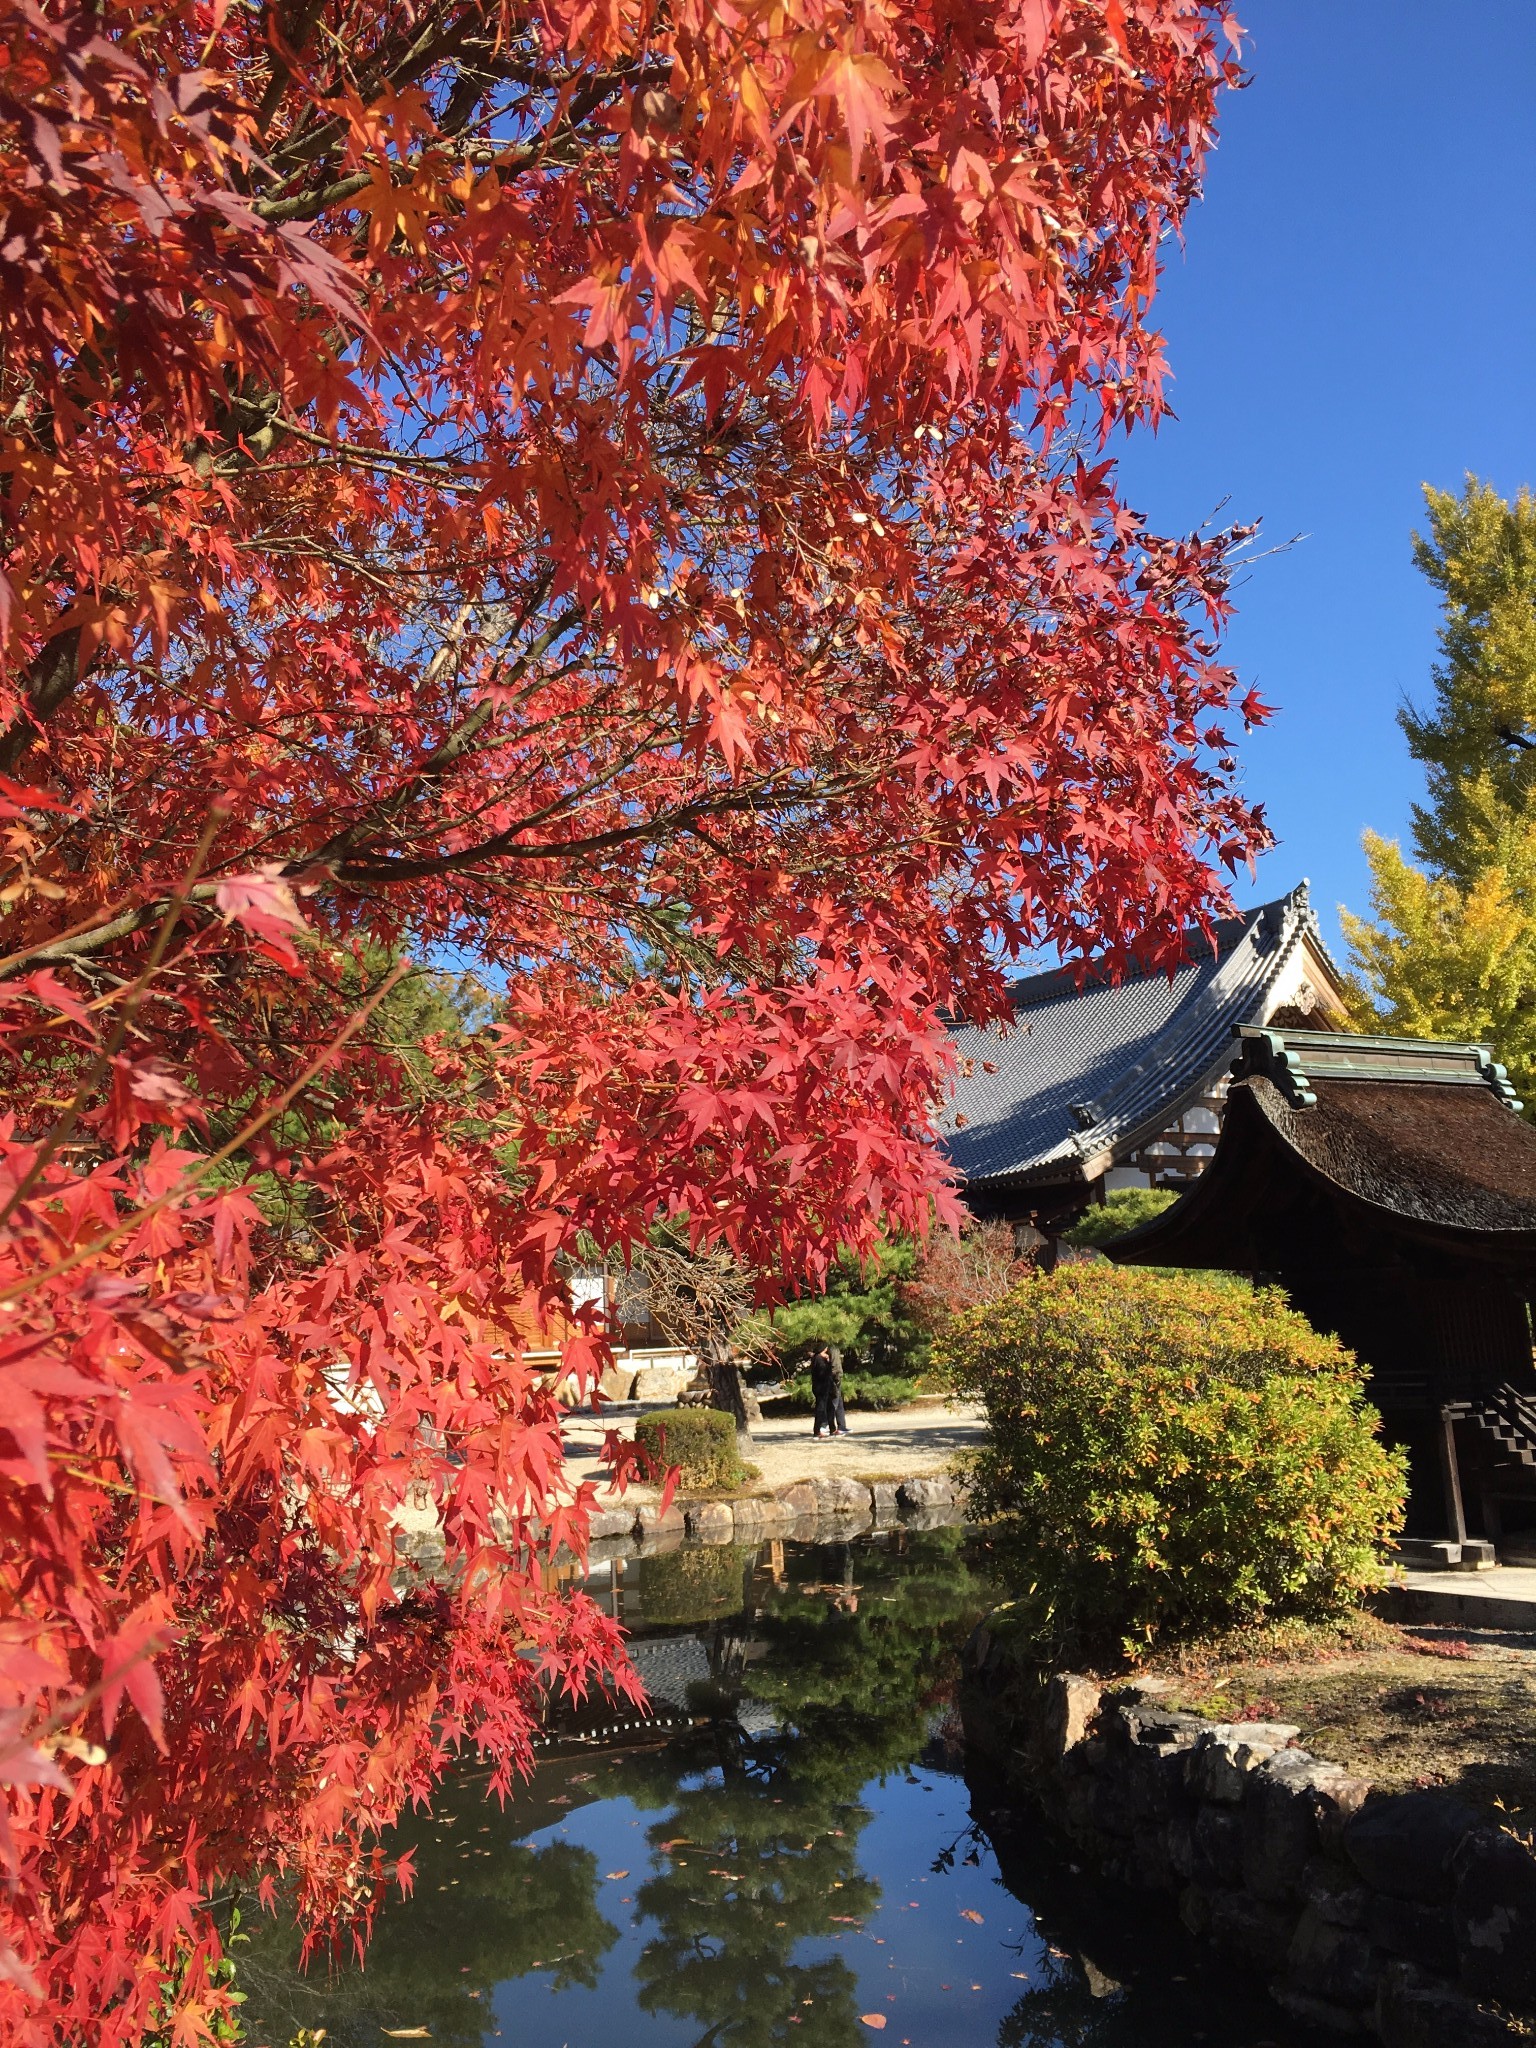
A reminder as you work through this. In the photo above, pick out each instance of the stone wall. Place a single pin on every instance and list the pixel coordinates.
(810, 1507)
(1404, 1916)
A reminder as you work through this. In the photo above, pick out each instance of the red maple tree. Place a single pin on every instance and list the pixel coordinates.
(613, 488)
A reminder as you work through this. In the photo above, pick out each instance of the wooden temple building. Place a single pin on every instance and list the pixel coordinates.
(1389, 1186)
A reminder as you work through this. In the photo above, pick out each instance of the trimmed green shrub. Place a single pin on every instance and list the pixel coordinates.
(701, 1442)
(860, 1390)
(1176, 1456)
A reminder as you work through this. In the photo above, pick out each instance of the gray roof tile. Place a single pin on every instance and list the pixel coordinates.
(1085, 1070)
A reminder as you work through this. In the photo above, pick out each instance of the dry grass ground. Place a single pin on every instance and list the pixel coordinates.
(1402, 1708)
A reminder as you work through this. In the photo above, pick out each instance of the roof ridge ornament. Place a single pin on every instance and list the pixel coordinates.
(1496, 1074)
(1266, 1055)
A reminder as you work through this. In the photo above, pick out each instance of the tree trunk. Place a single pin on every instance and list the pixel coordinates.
(727, 1391)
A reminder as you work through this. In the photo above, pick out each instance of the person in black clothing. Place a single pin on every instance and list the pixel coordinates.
(821, 1391)
(839, 1416)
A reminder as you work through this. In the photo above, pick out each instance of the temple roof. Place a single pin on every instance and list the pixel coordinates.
(1089, 1070)
(1418, 1138)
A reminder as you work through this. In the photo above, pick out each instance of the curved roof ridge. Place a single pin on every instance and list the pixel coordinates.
(1087, 1064)
(1235, 976)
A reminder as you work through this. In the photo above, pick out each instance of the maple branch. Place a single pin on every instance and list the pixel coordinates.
(14, 1289)
(507, 846)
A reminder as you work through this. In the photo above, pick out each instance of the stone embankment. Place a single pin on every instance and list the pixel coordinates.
(809, 1508)
(1408, 1917)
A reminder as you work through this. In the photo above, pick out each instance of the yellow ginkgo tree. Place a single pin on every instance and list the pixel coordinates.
(1450, 950)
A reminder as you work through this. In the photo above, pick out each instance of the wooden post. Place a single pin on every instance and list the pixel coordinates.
(1450, 1476)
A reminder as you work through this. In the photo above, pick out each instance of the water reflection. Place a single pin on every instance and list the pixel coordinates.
(786, 1855)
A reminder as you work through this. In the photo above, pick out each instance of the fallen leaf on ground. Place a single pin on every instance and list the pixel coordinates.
(409, 2033)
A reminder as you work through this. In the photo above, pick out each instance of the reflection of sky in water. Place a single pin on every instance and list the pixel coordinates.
(799, 1861)
(915, 1960)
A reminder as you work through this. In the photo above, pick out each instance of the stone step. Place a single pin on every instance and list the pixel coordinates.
(1504, 1598)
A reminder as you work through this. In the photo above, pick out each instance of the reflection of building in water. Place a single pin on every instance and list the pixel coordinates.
(667, 1666)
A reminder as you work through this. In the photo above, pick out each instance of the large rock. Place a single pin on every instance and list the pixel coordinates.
(1218, 1766)
(660, 1382)
(884, 1494)
(1495, 1916)
(618, 1383)
(651, 1522)
(1218, 1846)
(611, 1522)
(1280, 1821)
(1320, 2014)
(1417, 2011)
(1111, 1805)
(1150, 1860)
(840, 1497)
(1424, 1935)
(800, 1501)
(1135, 1718)
(710, 1521)
(1403, 1845)
(1067, 1718)
(1195, 1904)
(754, 1519)
(1333, 1963)
(935, 1492)
(1154, 1781)
(1336, 1798)
(1252, 1930)
(1335, 1893)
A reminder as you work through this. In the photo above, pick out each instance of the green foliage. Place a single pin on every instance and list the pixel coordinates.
(1123, 1209)
(861, 1312)
(222, 2027)
(701, 1442)
(696, 1583)
(1176, 1456)
(1450, 948)
(875, 1390)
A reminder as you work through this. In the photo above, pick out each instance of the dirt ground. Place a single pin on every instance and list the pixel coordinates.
(1416, 1708)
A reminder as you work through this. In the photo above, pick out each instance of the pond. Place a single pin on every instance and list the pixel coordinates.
(786, 1854)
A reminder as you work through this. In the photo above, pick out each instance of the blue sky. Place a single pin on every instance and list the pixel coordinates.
(1353, 315)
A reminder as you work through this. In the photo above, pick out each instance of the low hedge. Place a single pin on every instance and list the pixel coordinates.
(860, 1390)
(701, 1442)
(1174, 1456)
